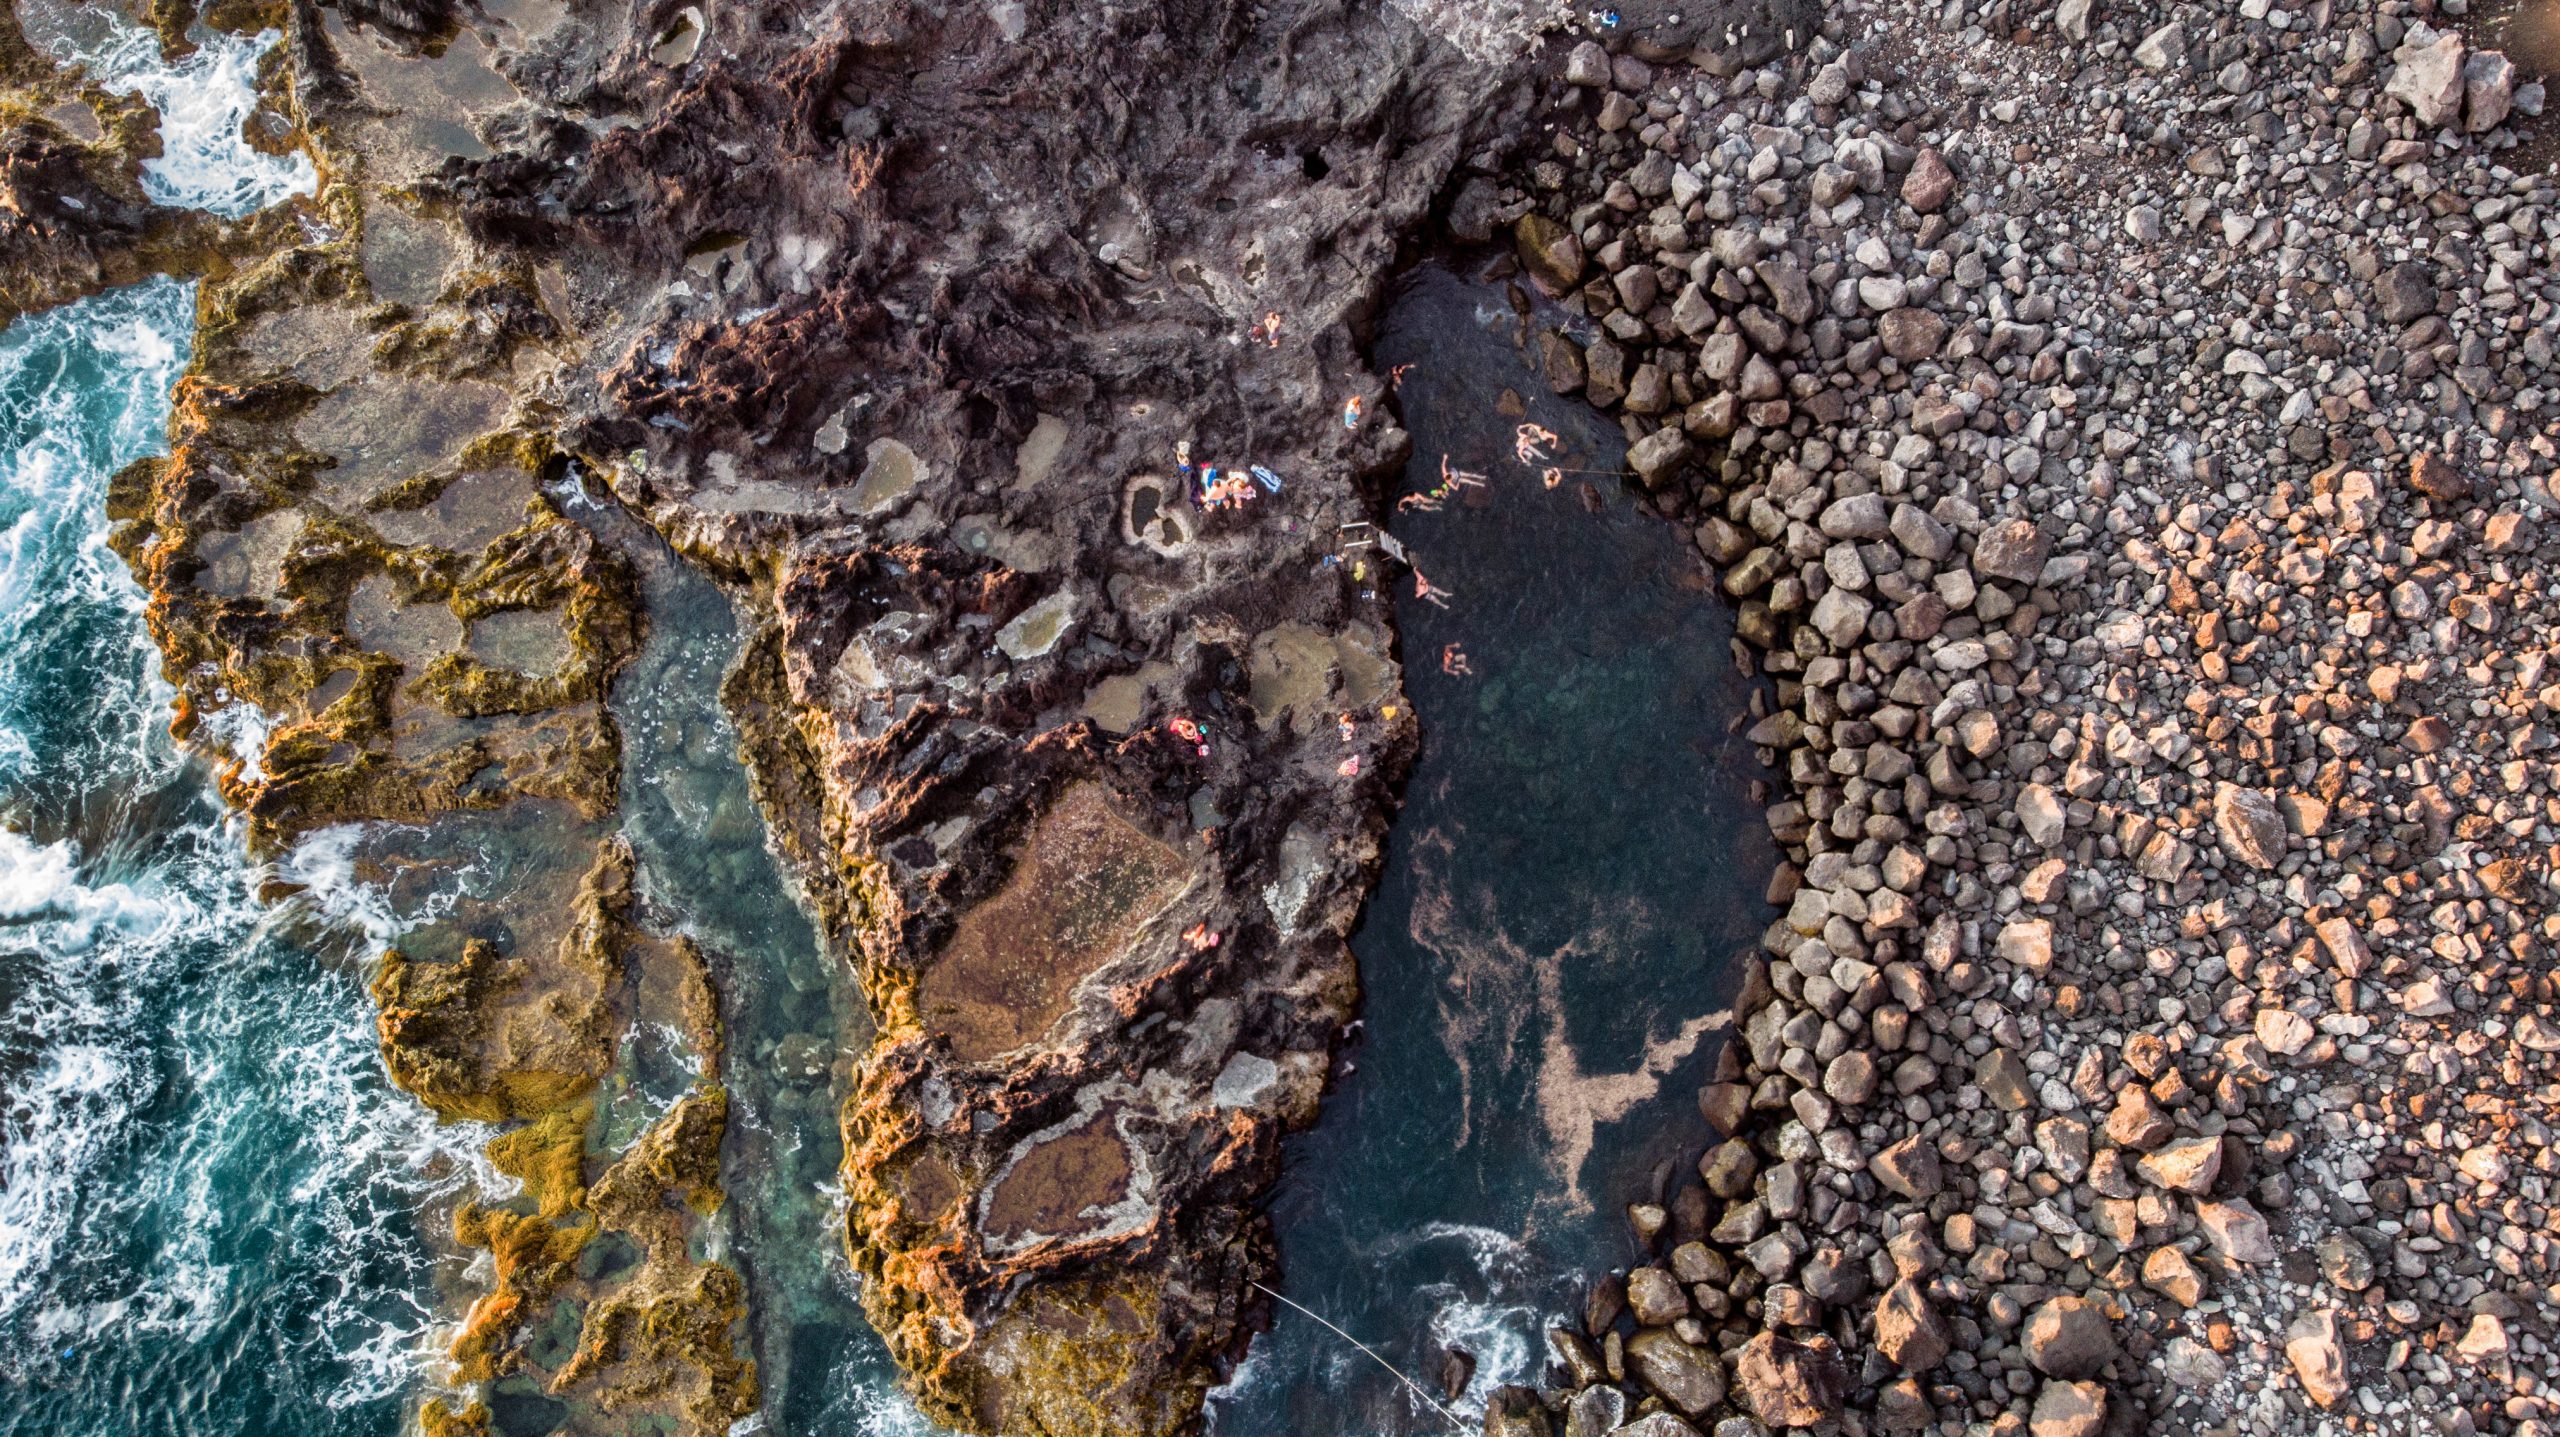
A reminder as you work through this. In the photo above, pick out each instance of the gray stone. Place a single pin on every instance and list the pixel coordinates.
(1658, 456)
(1656, 1424)
(2250, 827)
(2406, 291)
(1680, 1374)
(2003, 1079)
(1693, 313)
(1841, 617)
(2068, 1337)
(2040, 813)
(2488, 90)
(1597, 1412)
(2192, 1365)
(2236, 1231)
(1587, 66)
(2162, 48)
(1921, 536)
(1856, 516)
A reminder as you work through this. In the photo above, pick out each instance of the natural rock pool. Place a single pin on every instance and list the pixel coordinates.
(792, 1016)
(1547, 959)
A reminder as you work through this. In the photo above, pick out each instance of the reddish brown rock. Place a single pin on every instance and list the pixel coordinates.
(1930, 182)
(1790, 1384)
(2436, 477)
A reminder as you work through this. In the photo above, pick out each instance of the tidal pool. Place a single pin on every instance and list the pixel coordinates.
(1548, 959)
(793, 1017)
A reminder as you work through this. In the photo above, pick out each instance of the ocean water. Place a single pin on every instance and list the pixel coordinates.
(203, 99)
(1548, 958)
(207, 1188)
(208, 1217)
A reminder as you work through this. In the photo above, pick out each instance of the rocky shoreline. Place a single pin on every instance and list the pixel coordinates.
(2127, 432)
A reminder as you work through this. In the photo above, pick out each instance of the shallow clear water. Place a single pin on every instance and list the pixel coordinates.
(793, 1015)
(1573, 872)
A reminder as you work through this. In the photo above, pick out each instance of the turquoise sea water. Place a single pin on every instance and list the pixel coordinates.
(208, 1189)
(207, 1217)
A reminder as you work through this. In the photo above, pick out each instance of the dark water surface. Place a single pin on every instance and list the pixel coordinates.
(1547, 960)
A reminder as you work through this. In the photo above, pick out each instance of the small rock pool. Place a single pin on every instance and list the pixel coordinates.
(1548, 958)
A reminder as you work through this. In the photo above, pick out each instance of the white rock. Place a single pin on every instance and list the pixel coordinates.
(2162, 48)
(2193, 1365)
(2488, 90)
(2283, 1032)
(2250, 827)
(1842, 617)
(2425, 998)
(2235, 1230)
(2426, 75)
(2028, 943)
(2040, 813)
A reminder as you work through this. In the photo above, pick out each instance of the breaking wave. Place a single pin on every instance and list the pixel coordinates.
(209, 1192)
(204, 99)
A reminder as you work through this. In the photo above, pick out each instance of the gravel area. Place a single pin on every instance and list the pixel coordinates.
(2128, 432)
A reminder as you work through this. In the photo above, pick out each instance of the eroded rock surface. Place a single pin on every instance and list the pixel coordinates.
(896, 321)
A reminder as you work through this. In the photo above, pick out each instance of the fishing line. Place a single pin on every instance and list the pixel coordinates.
(1428, 1400)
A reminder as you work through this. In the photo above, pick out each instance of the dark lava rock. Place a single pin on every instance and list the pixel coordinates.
(2437, 477)
(893, 318)
(2069, 1337)
(2405, 291)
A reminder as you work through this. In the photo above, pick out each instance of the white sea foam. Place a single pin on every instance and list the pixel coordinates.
(242, 729)
(183, 1076)
(196, 1125)
(872, 1406)
(324, 864)
(67, 939)
(206, 162)
(1496, 1316)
